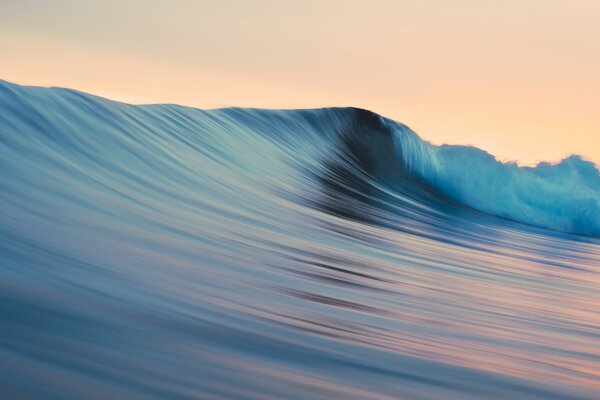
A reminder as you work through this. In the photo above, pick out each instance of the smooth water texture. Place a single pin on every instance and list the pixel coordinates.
(164, 252)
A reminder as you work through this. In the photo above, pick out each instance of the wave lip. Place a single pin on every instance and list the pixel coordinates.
(564, 196)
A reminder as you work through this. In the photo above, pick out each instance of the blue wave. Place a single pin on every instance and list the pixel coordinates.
(563, 196)
(162, 251)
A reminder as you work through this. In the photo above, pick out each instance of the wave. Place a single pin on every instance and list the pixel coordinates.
(162, 251)
(564, 196)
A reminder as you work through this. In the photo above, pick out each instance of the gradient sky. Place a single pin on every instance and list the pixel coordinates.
(520, 79)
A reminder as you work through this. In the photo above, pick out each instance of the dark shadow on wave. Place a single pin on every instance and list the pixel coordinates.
(368, 176)
(368, 183)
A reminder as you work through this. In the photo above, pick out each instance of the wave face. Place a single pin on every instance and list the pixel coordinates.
(152, 252)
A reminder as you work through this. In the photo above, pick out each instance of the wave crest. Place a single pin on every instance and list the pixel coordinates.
(563, 196)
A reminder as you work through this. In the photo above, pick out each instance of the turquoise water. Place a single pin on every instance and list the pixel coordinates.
(164, 252)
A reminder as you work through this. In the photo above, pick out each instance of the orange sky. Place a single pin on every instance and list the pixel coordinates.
(517, 78)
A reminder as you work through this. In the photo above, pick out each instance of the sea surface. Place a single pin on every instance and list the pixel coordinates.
(166, 252)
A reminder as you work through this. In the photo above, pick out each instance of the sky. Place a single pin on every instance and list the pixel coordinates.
(520, 79)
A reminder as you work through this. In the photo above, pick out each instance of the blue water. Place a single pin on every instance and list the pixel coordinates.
(165, 252)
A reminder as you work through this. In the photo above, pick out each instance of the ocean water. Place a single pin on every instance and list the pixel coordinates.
(165, 252)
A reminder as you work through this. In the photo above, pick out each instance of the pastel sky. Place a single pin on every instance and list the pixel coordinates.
(519, 78)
